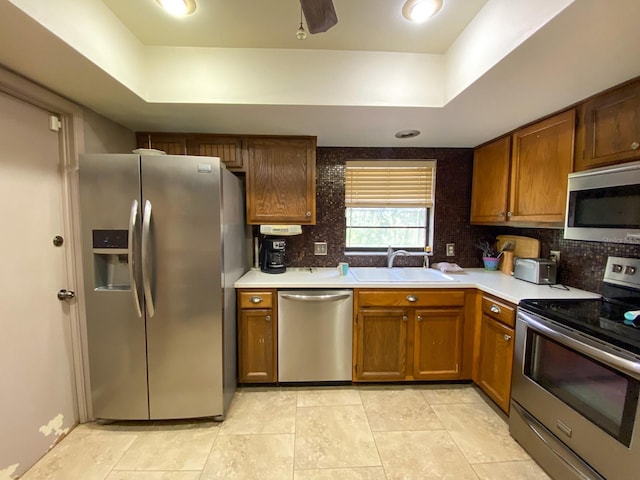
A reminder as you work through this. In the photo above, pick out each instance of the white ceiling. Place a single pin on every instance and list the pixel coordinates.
(363, 25)
(478, 69)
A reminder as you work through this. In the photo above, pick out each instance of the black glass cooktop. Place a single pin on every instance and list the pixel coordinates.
(599, 318)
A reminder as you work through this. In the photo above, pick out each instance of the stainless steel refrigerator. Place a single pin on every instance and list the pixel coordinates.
(163, 243)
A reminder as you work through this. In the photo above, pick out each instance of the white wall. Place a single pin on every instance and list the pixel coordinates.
(83, 130)
(104, 136)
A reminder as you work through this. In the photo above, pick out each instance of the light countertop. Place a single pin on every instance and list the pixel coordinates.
(495, 283)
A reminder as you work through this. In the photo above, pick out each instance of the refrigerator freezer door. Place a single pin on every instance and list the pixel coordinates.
(184, 336)
(115, 333)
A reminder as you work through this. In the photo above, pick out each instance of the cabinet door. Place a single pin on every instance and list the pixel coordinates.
(171, 143)
(257, 346)
(609, 132)
(437, 353)
(281, 181)
(541, 159)
(490, 188)
(381, 344)
(228, 148)
(496, 361)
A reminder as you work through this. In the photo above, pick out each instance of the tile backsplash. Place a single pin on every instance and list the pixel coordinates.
(453, 198)
(581, 263)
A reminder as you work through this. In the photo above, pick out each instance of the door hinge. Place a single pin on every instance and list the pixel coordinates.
(54, 123)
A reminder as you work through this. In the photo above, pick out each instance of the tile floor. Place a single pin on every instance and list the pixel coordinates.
(320, 433)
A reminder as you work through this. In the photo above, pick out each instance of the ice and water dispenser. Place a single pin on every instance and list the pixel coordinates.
(111, 259)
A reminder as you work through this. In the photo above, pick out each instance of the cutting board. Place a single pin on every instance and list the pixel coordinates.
(526, 247)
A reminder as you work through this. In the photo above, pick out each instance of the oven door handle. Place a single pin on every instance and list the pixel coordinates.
(628, 366)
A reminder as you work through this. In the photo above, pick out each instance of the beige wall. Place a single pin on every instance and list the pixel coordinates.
(104, 136)
(83, 131)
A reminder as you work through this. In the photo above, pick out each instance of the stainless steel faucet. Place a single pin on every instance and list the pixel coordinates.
(392, 254)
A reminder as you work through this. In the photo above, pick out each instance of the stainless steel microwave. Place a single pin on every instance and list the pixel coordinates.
(603, 205)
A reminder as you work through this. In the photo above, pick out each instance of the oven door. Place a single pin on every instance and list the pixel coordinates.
(582, 391)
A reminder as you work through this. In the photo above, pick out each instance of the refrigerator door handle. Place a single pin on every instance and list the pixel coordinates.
(146, 261)
(133, 219)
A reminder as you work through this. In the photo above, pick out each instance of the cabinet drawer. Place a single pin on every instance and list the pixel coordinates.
(411, 298)
(501, 311)
(256, 299)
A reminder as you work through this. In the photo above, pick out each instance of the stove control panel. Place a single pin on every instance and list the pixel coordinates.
(622, 271)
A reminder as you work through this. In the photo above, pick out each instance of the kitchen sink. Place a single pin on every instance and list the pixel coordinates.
(386, 275)
(375, 274)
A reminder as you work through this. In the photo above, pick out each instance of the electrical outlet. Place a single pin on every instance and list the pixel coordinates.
(555, 256)
(451, 249)
(320, 248)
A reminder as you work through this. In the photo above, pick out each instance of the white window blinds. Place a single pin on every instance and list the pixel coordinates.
(390, 183)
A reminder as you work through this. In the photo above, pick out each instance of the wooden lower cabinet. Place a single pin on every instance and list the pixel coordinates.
(437, 351)
(496, 344)
(412, 335)
(381, 344)
(257, 337)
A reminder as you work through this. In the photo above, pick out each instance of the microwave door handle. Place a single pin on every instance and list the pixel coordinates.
(131, 249)
(630, 367)
(146, 260)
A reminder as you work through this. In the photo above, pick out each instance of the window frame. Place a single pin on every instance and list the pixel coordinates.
(429, 203)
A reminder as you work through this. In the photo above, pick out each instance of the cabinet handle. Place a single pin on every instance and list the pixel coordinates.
(501, 214)
(635, 146)
(308, 214)
(412, 298)
(507, 337)
(268, 319)
(509, 214)
(495, 309)
(255, 299)
(405, 318)
(419, 318)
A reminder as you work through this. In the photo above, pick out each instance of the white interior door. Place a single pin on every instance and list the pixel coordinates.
(38, 400)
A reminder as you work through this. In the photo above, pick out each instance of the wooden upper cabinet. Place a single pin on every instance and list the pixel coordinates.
(281, 180)
(609, 128)
(228, 148)
(490, 187)
(522, 179)
(171, 143)
(541, 160)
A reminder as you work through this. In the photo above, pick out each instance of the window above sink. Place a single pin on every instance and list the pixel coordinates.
(389, 203)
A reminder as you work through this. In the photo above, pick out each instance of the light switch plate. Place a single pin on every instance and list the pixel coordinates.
(320, 248)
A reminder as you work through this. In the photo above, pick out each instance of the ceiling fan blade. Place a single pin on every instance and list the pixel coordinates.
(319, 14)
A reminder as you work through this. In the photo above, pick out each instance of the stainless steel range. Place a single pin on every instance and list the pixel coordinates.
(576, 380)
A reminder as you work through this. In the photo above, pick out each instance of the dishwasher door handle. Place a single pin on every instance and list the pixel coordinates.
(316, 298)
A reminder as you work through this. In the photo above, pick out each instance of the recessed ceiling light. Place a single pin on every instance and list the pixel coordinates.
(420, 10)
(179, 8)
(402, 134)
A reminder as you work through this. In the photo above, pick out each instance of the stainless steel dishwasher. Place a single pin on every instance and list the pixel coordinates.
(315, 333)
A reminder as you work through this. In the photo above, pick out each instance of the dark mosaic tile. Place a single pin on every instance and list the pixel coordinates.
(581, 263)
